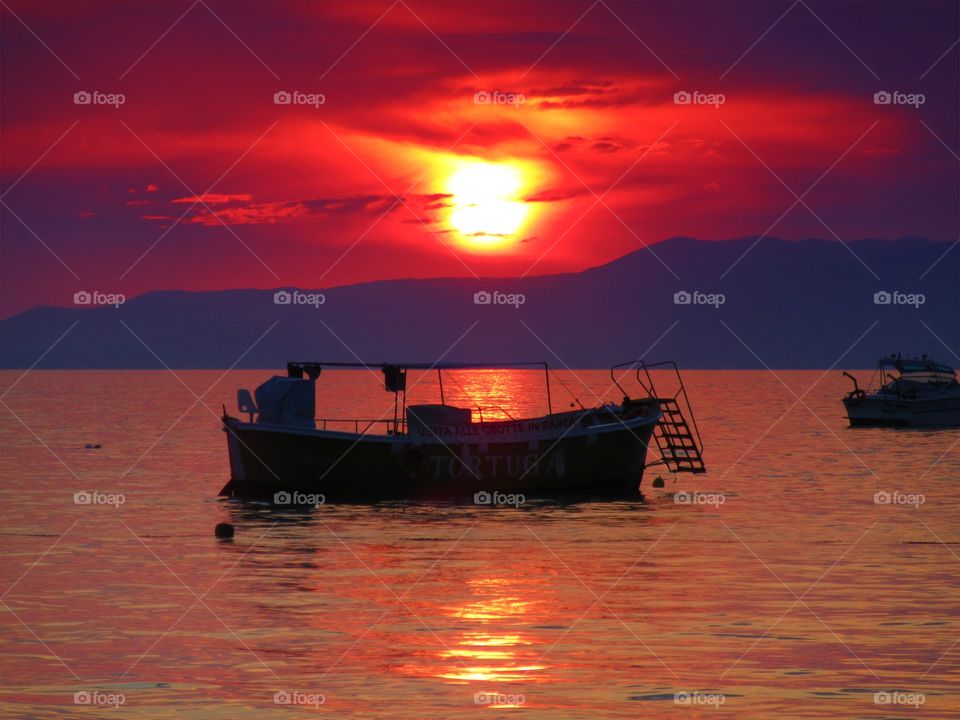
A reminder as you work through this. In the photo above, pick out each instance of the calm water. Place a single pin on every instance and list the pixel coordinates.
(793, 595)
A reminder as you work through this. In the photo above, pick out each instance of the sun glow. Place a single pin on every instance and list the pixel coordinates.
(487, 210)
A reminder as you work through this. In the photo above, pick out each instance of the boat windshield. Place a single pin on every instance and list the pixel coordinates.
(922, 371)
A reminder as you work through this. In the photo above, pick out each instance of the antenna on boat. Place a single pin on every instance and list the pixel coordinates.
(569, 392)
(546, 372)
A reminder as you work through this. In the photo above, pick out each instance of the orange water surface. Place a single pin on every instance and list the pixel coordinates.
(815, 574)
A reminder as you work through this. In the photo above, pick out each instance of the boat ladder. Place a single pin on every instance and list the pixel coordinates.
(679, 448)
(677, 437)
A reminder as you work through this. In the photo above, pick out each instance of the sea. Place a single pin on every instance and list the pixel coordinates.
(812, 572)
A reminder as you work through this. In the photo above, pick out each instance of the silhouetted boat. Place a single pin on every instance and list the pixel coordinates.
(441, 451)
(915, 392)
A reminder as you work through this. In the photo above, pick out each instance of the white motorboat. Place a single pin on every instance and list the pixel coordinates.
(914, 392)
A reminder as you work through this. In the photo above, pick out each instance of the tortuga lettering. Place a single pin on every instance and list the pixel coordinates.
(514, 465)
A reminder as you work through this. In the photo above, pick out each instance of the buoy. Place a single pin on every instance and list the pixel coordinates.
(658, 482)
(223, 530)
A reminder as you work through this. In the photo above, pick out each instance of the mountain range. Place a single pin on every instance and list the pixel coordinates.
(745, 303)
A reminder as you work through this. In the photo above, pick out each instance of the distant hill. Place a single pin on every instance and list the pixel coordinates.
(792, 304)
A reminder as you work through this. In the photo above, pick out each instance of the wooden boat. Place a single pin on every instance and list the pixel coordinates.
(442, 451)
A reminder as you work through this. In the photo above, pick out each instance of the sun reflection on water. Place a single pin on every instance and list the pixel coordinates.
(495, 650)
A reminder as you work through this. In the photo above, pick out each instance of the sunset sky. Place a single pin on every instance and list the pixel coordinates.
(200, 180)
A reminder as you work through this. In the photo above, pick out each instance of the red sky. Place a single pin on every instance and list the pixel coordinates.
(596, 162)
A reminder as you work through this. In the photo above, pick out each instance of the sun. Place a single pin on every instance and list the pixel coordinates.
(486, 209)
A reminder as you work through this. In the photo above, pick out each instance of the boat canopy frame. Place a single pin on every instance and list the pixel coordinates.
(922, 369)
(395, 380)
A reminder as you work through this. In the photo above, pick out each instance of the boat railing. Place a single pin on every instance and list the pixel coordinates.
(362, 426)
(644, 377)
(494, 408)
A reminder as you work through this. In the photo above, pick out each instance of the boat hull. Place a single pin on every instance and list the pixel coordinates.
(606, 458)
(874, 411)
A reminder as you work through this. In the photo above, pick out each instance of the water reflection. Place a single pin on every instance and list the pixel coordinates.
(255, 512)
(497, 394)
(498, 651)
(491, 613)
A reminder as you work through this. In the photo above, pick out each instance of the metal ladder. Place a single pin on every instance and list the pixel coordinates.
(680, 450)
(679, 443)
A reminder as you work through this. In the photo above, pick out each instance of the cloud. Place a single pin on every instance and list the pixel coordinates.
(436, 201)
(554, 195)
(213, 198)
(255, 214)
(606, 144)
(608, 95)
(149, 188)
(573, 90)
(238, 210)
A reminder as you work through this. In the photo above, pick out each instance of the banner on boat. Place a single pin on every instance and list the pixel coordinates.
(508, 431)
